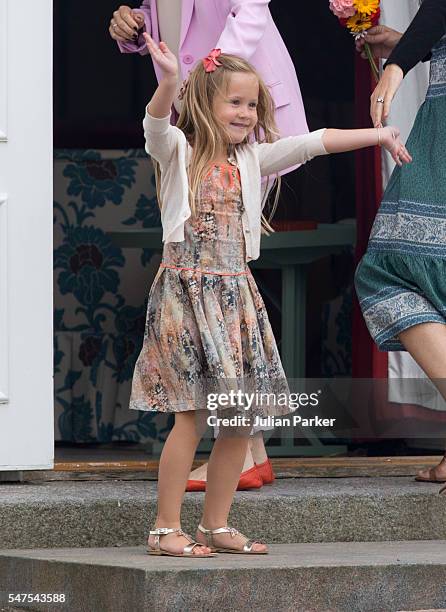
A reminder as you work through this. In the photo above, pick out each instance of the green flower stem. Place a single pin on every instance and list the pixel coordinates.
(372, 62)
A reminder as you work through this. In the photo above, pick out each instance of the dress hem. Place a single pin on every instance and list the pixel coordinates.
(389, 343)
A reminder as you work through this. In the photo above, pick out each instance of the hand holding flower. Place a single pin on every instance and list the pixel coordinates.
(359, 16)
(381, 40)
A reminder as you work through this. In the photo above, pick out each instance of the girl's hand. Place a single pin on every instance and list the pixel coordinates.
(162, 56)
(390, 140)
(381, 98)
(381, 41)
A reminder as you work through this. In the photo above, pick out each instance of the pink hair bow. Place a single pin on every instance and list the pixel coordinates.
(210, 62)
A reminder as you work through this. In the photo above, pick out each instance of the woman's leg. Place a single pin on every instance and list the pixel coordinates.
(256, 453)
(200, 473)
(224, 468)
(427, 345)
(174, 467)
(257, 446)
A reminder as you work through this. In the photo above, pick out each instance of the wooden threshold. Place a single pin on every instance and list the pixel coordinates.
(314, 467)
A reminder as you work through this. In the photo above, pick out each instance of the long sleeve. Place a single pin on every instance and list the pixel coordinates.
(286, 152)
(140, 46)
(161, 138)
(425, 30)
(244, 27)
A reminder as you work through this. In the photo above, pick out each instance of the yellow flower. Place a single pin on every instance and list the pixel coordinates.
(366, 7)
(358, 23)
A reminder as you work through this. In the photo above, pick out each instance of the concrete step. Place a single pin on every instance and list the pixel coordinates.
(327, 577)
(120, 513)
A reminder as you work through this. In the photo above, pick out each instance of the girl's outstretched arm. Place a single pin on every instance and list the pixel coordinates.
(286, 152)
(338, 141)
(161, 103)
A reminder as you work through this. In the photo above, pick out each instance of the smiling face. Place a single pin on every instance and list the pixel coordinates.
(236, 111)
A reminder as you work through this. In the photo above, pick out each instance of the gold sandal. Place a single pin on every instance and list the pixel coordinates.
(187, 550)
(246, 550)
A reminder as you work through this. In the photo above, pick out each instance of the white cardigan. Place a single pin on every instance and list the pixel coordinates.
(168, 146)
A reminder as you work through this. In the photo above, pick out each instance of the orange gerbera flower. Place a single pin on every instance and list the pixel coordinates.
(358, 23)
(366, 7)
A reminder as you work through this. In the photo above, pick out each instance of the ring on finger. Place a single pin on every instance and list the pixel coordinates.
(380, 100)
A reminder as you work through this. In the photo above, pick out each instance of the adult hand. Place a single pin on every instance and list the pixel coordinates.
(381, 98)
(162, 56)
(381, 41)
(390, 140)
(125, 23)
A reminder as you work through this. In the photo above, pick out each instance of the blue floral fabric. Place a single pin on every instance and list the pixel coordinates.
(100, 294)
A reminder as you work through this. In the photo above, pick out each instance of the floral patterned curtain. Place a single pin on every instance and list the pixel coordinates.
(100, 294)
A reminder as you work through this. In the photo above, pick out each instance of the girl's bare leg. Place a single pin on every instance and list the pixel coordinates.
(427, 345)
(224, 469)
(174, 467)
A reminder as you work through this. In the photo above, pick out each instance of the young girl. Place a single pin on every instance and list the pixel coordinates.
(206, 320)
(239, 27)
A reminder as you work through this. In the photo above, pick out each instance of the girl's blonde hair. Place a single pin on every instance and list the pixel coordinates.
(206, 135)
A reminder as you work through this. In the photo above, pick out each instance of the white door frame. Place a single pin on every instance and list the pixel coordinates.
(26, 236)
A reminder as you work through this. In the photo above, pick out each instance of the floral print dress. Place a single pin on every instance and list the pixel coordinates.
(207, 328)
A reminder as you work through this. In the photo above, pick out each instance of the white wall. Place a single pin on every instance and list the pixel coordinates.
(26, 280)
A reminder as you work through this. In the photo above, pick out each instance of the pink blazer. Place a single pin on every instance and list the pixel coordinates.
(241, 27)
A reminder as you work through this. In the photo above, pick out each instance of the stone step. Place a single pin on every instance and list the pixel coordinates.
(72, 464)
(119, 513)
(327, 577)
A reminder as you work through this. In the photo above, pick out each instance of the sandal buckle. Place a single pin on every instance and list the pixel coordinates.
(163, 530)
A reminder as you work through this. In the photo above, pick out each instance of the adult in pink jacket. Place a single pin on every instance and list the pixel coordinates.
(242, 27)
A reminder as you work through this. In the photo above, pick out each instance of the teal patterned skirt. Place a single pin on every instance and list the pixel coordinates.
(401, 280)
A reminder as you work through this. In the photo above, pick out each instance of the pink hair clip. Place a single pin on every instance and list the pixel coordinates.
(210, 62)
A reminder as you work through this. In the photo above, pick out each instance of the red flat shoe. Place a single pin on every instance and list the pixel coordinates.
(266, 472)
(196, 485)
(250, 479)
